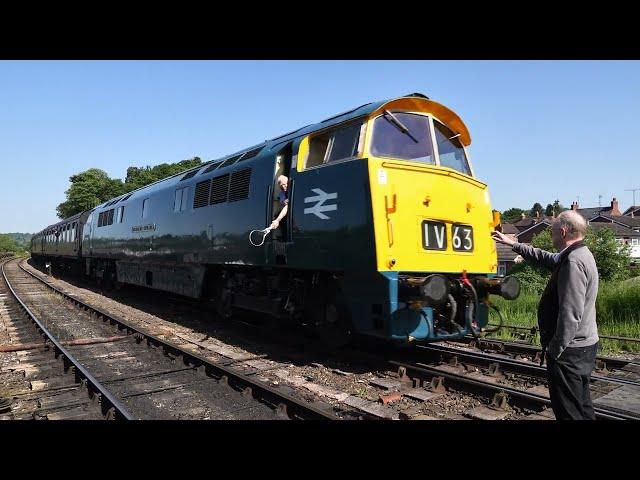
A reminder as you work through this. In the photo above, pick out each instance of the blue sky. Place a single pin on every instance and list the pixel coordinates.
(540, 130)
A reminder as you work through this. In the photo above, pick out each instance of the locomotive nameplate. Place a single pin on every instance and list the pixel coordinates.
(434, 236)
(143, 228)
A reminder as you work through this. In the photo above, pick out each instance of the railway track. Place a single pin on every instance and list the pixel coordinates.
(520, 349)
(487, 375)
(149, 376)
(525, 366)
(503, 397)
(428, 378)
(40, 379)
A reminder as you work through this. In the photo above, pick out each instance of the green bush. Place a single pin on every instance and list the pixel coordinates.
(7, 244)
(533, 277)
(612, 259)
(617, 312)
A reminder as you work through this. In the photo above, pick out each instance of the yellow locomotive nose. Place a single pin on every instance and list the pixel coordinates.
(430, 219)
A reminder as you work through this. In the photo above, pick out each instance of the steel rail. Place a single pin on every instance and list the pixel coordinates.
(602, 413)
(529, 349)
(533, 330)
(285, 403)
(111, 407)
(527, 368)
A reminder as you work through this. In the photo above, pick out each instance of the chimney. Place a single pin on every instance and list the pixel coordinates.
(537, 213)
(575, 206)
(614, 208)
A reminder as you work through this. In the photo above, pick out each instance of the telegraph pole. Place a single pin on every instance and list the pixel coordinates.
(634, 190)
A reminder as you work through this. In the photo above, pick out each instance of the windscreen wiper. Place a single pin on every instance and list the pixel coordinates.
(398, 124)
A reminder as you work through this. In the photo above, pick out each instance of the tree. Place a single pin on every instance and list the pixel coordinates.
(7, 244)
(512, 215)
(543, 240)
(612, 259)
(558, 208)
(93, 187)
(88, 189)
(138, 177)
(533, 277)
(549, 210)
(537, 208)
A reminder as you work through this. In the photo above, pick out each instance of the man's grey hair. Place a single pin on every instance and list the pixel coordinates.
(575, 223)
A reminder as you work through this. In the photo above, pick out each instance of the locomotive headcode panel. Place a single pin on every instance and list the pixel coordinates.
(387, 231)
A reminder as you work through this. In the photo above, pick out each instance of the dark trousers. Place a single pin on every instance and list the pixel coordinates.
(569, 378)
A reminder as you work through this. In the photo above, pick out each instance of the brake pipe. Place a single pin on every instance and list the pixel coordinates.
(469, 317)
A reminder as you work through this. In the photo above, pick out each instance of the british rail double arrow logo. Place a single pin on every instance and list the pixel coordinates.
(319, 207)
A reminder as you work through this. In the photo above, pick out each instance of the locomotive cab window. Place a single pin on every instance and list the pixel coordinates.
(450, 150)
(180, 199)
(120, 214)
(404, 136)
(145, 208)
(335, 145)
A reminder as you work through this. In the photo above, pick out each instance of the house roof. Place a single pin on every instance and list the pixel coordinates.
(633, 208)
(545, 223)
(508, 228)
(618, 230)
(528, 222)
(627, 221)
(589, 213)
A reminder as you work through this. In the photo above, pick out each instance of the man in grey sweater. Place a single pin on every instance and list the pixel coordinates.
(567, 315)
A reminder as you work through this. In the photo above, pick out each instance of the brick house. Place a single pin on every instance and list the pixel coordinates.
(507, 258)
(625, 226)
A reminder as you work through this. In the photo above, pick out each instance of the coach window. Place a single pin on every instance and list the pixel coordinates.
(405, 136)
(450, 149)
(145, 208)
(335, 145)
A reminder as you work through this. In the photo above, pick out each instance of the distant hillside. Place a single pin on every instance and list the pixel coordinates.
(22, 239)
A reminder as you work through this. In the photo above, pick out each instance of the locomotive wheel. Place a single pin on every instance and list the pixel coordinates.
(334, 332)
(224, 304)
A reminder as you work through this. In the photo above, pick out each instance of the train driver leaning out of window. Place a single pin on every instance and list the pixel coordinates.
(283, 198)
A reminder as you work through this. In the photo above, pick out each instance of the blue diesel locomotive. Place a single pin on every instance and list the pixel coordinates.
(387, 232)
